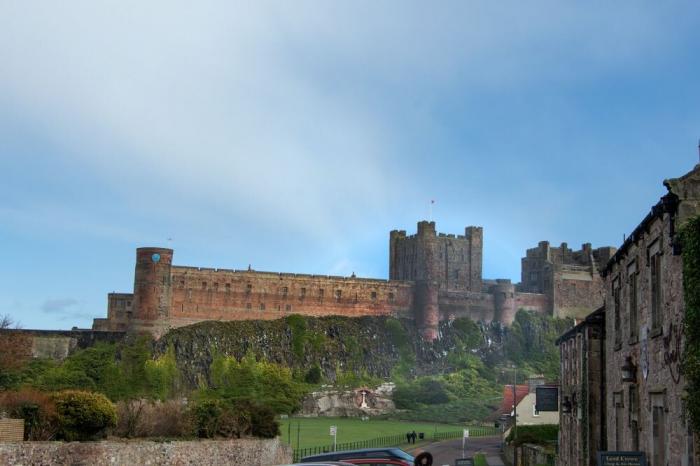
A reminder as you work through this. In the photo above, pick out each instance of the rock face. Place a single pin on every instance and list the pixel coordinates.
(371, 346)
(350, 403)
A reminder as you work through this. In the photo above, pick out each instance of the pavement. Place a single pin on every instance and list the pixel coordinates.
(446, 452)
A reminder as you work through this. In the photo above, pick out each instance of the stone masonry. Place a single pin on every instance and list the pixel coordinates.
(432, 277)
(644, 332)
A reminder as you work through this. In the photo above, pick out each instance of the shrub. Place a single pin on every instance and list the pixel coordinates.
(543, 434)
(84, 415)
(141, 418)
(313, 376)
(36, 408)
(221, 418)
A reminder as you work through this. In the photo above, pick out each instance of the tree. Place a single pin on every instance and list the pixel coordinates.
(15, 351)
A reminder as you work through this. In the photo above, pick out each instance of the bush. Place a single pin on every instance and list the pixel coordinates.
(543, 434)
(313, 376)
(220, 418)
(36, 408)
(84, 415)
(141, 418)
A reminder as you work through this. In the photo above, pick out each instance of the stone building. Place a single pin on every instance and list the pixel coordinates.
(432, 277)
(644, 332)
(582, 392)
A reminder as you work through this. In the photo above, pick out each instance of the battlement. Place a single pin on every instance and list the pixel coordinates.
(179, 269)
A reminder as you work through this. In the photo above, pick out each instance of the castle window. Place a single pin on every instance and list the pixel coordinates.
(288, 307)
(338, 295)
(204, 285)
(248, 288)
(374, 296)
(391, 297)
(320, 293)
(302, 292)
(248, 306)
(182, 283)
(262, 306)
(285, 290)
(216, 287)
(228, 288)
(456, 273)
(128, 303)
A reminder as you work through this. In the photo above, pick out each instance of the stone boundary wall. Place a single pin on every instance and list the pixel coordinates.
(249, 452)
(11, 430)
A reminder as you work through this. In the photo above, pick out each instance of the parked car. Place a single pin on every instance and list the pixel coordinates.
(325, 463)
(378, 462)
(364, 456)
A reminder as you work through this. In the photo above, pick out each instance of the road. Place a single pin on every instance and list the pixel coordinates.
(445, 453)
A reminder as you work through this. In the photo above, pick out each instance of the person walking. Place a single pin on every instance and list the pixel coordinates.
(413, 436)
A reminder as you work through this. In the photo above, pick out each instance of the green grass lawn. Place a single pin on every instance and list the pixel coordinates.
(315, 431)
(480, 460)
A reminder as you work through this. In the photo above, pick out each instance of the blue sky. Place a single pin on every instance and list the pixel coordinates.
(293, 136)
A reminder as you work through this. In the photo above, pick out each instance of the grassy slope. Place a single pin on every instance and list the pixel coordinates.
(315, 431)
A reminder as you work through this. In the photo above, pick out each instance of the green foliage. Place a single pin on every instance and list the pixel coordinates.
(269, 384)
(530, 343)
(468, 332)
(543, 434)
(690, 240)
(297, 324)
(353, 379)
(227, 418)
(163, 376)
(423, 391)
(313, 375)
(84, 415)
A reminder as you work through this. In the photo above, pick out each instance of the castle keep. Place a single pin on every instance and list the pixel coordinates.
(432, 277)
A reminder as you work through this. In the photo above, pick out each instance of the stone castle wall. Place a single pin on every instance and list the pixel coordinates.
(433, 276)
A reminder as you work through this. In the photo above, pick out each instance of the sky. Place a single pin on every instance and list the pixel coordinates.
(293, 136)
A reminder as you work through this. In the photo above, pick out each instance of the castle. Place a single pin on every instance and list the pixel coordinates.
(432, 277)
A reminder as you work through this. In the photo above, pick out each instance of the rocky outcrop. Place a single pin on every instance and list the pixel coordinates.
(349, 403)
(371, 346)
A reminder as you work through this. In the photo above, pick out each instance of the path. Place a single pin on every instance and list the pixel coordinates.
(445, 452)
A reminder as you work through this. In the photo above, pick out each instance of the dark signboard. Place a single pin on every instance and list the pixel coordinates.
(622, 458)
(547, 398)
(464, 462)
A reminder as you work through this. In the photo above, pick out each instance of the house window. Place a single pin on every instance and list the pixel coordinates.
(619, 416)
(391, 297)
(262, 306)
(658, 430)
(632, 299)
(374, 296)
(616, 309)
(338, 295)
(634, 415)
(655, 276)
